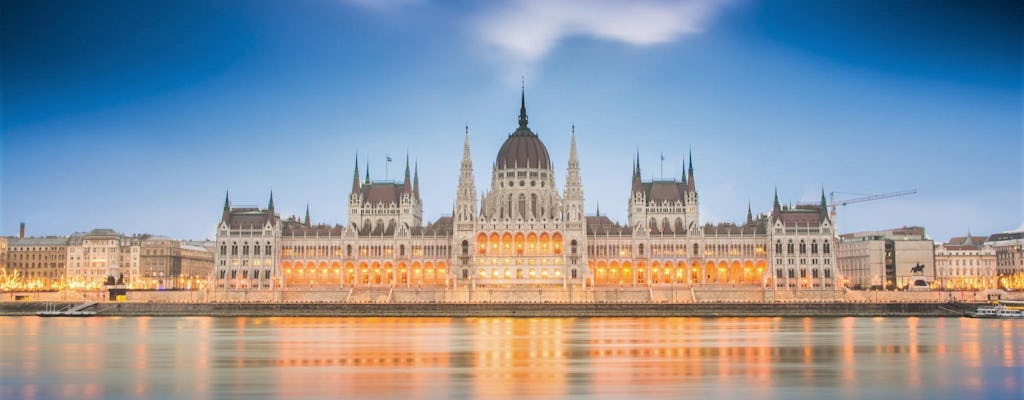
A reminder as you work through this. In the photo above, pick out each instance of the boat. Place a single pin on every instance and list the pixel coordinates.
(1006, 309)
(77, 310)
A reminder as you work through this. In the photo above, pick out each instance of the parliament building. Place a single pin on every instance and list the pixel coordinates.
(523, 232)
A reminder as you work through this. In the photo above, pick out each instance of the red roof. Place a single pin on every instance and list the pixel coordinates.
(386, 192)
(799, 218)
(669, 191)
(600, 225)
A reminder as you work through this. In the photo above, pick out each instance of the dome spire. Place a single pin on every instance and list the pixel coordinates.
(523, 120)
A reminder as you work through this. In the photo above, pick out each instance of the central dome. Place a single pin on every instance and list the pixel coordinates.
(523, 149)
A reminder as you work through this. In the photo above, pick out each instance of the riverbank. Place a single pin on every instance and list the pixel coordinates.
(508, 310)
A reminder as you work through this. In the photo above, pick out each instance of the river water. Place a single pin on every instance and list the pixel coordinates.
(442, 358)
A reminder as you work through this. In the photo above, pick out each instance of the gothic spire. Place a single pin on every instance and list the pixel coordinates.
(227, 207)
(572, 148)
(407, 183)
(307, 214)
(416, 180)
(690, 183)
(466, 161)
(691, 161)
(270, 204)
(637, 182)
(775, 204)
(824, 205)
(750, 215)
(636, 166)
(522, 107)
(367, 172)
(355, 176)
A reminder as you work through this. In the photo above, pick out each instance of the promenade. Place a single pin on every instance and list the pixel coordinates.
(499, 302)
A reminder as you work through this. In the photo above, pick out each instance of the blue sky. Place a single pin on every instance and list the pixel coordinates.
(138, 115)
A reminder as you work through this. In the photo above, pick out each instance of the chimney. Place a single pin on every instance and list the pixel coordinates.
(21, 232)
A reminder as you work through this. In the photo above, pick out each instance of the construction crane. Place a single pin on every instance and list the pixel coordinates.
(833, 203)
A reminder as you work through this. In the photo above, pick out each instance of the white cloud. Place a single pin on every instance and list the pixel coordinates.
(525, 31)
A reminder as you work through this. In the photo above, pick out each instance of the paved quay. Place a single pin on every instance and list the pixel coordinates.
(508, 310)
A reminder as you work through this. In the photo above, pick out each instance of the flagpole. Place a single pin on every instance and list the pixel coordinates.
(662, 167)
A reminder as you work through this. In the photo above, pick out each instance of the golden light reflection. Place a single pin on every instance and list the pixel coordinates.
(199, 357)
(509, 351)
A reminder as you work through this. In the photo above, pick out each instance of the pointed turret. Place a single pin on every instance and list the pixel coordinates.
(407, 183)
(416, 181)
(227, 206)
(637, 183)
(307, 214)
(750, 215)
(776, 207)
(824, 206)
(270, 204)
(355, 176)
(367, 181)
(690, 183)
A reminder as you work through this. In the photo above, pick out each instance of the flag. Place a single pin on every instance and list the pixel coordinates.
(389, 158)
(662, 156)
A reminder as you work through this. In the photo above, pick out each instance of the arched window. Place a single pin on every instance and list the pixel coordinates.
(814, 247)
(256, 249)
(574, 273)
(572, 248)
(223, 249)
(267, 249)
(778, 246)
(803, 247)
(641, 249)
(348, 251)
(234, 249)
(790, 248)
(465, 247)
(465, 274)
(652, 224)
(826, 248)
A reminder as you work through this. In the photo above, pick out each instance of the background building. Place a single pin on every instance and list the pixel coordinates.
(966, 263)
(1009, 249)
(40, 260)
(93, 256)
(893, 258)
(3, 252)
(172, 264)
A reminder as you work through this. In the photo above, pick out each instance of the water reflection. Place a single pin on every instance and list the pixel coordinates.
(214, 358)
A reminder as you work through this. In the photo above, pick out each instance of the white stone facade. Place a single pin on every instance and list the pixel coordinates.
(524, 233)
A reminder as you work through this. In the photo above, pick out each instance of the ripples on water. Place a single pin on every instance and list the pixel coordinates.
(414, 358)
